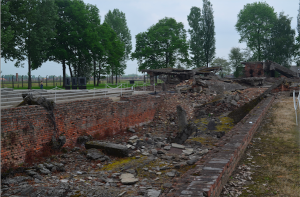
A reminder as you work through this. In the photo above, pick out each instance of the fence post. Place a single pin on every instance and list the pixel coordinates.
(60, 80)
(12, 80)
(22, 81)
(2, 82)
(53, 82)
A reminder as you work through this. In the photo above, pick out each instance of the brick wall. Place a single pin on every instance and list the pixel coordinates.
(29, 127)
(212, 172)
(254, 69)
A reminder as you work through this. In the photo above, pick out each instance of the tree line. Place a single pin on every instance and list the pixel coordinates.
(68, 32)
(268, 36)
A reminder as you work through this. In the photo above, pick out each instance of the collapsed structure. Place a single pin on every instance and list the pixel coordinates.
(253, 74)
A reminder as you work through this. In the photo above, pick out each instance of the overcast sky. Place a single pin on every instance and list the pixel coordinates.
(141, 14)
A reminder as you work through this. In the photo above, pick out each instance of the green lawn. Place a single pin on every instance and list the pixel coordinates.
(35, 85)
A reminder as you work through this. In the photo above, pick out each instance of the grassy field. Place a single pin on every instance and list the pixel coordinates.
(36, 85)
(277, 152)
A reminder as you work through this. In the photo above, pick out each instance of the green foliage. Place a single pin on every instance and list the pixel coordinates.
(280, 46)
(113, 51)
(33, 23)
(239, 71)
(254, 25)
(8, 44)
(117, 21)
(235, 57)
(163, 45)
(208, 28)
(298, 21)
(196, 41)
(221, 62)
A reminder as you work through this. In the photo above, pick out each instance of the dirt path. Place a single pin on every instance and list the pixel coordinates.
(271, 164)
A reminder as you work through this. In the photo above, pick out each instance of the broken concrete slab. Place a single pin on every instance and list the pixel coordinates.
(128, 179)
(178, 146)
(108, 148)
(182, 120)
(185, 134)
(94, 154)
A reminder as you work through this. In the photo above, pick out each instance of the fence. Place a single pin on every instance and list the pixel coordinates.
(296, 103)
(22, 81)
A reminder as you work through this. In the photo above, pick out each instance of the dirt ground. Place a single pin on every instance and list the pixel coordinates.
(271, 164)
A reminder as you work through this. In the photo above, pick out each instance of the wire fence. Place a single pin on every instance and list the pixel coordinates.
(15, 81)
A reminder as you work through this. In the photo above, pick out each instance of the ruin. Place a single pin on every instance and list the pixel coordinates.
(183, 143)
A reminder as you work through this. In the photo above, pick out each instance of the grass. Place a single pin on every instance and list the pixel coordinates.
(35, 85)
(277, 154)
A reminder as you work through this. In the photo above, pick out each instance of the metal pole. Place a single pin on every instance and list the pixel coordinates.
(60, 80)
(46, 80)
(53, 81)
(12, 80)
(2, 82)
(22, 81)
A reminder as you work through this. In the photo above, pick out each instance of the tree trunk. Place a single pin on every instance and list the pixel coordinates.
(70, 69)
(64, 72)
(116, 79)
(29, 73)
(99, 73)
(94, 72)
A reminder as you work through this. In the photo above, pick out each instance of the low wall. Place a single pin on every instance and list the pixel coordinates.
(29, 127)
(212, 172)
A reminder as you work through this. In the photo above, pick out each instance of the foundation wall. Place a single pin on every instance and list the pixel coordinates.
(212, 172)
(29, 127)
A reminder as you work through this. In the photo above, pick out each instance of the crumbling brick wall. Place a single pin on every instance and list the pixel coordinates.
(29, 127)
(254, 69)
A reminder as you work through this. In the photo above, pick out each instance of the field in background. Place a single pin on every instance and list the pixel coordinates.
(90, 85)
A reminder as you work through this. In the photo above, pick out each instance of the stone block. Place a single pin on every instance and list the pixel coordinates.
(109, 148)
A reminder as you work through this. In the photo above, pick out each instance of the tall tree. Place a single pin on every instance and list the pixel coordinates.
(280, 46)
(163, 45)
(94, 37)
(298, 20)
(8, 37)
(208, 28)
(35, 27)
(117, 21)
(113, 51)
(60, 46)
(255, 22)
(224, 64)
(235, 57)
(297, 45)
(196, 32)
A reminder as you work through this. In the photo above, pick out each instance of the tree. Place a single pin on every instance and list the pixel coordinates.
(255, 22)
(235, 57)
(298, 20)
(224, 64)
(196, 41)
(95, 37)
(163, 45)
(60, 46)
(208, 28)
(280, 46)
(297, 45)
(8, 42)
(113, 51)
(117, 21)
(34, 27)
